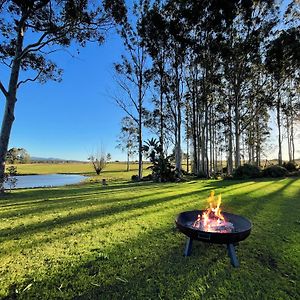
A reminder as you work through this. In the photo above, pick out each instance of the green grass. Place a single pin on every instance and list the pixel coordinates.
(112, 172)
(119, 242)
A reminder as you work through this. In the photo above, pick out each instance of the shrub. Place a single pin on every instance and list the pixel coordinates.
(294, 174)
(147, 178)
(275, 171)
(162, 169)
(135, 178)
(9, 177)
(290, 166)
(247, 171)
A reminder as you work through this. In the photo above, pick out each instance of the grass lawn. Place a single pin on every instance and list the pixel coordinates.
(119, 242)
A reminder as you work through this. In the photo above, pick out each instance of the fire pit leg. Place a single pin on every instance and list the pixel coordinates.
(188, 247)
(233, 258)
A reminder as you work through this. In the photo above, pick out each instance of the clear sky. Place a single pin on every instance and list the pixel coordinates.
(72, 118)
(75, 117)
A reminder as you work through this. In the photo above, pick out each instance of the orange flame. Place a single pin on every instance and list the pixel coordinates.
(212, 218)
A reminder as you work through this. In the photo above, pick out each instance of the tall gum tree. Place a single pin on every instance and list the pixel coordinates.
(33, 29)
(133, 75)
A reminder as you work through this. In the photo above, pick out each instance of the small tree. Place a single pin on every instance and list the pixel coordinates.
(9, 177)
(99, 161)
(17, 155)
(128, 138)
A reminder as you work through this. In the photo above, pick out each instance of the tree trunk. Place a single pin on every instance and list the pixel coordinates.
(187, 154)
(237, 160)
(178, 142)
(194, 133)
(292, 139)
(279, 129)
(8, 116)
(127, 169)
(140, 138)
(289, 137)
(178, 153)
(211, 153)
(161, 107)
(230, 147)
(140, 147)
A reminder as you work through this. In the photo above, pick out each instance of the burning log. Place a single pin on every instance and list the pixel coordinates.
(212, 220)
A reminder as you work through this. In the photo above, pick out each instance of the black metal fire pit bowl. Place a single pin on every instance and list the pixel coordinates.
(242, 229)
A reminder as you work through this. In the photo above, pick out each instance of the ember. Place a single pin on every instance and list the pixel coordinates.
(211, 220)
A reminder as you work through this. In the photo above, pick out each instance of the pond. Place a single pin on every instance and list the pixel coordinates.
(47, 180)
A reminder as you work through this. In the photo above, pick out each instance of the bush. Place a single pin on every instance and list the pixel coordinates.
(162, 169)
(135, 178)
(247, 171)
(290, 166)
(9, 177)
(275, 171)
(147, 178)
(294, 174)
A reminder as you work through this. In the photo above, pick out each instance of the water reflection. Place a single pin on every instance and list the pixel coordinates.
(47, 180)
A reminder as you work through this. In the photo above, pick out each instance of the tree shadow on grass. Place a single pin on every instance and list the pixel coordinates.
(12, 233)
(95, 212)
(151, 265)
(182, 201)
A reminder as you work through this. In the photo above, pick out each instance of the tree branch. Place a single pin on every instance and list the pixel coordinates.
(3, 90)
(29, 79)
(124, 107)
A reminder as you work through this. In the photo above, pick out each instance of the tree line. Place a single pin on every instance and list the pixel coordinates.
(215, 71)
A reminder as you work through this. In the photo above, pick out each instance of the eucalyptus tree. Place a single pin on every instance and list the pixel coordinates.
(33, 29)
(283, 63)
(133, 75)
(244, 43)
(164, 32)
(154, 32)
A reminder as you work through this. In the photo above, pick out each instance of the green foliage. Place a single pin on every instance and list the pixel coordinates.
(247, 171)
(12, 171)
(275, 171)
(17, 155)
(290, 166)
(162, 169)
(9, 177)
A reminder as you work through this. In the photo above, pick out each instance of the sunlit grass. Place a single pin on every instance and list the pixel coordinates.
(119, 242)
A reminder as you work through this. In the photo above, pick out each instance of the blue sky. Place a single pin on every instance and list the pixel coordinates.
(75, 117)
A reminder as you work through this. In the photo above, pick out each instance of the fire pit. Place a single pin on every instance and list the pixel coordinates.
(212, 226)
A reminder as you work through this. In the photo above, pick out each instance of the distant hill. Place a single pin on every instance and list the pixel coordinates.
(52, 159)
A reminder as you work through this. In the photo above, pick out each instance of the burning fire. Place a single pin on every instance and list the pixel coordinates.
(211, 219)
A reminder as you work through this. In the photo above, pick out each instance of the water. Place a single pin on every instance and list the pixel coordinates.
(49, 180)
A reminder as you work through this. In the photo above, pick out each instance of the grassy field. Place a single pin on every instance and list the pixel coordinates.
(112, 172)
(119, 242)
